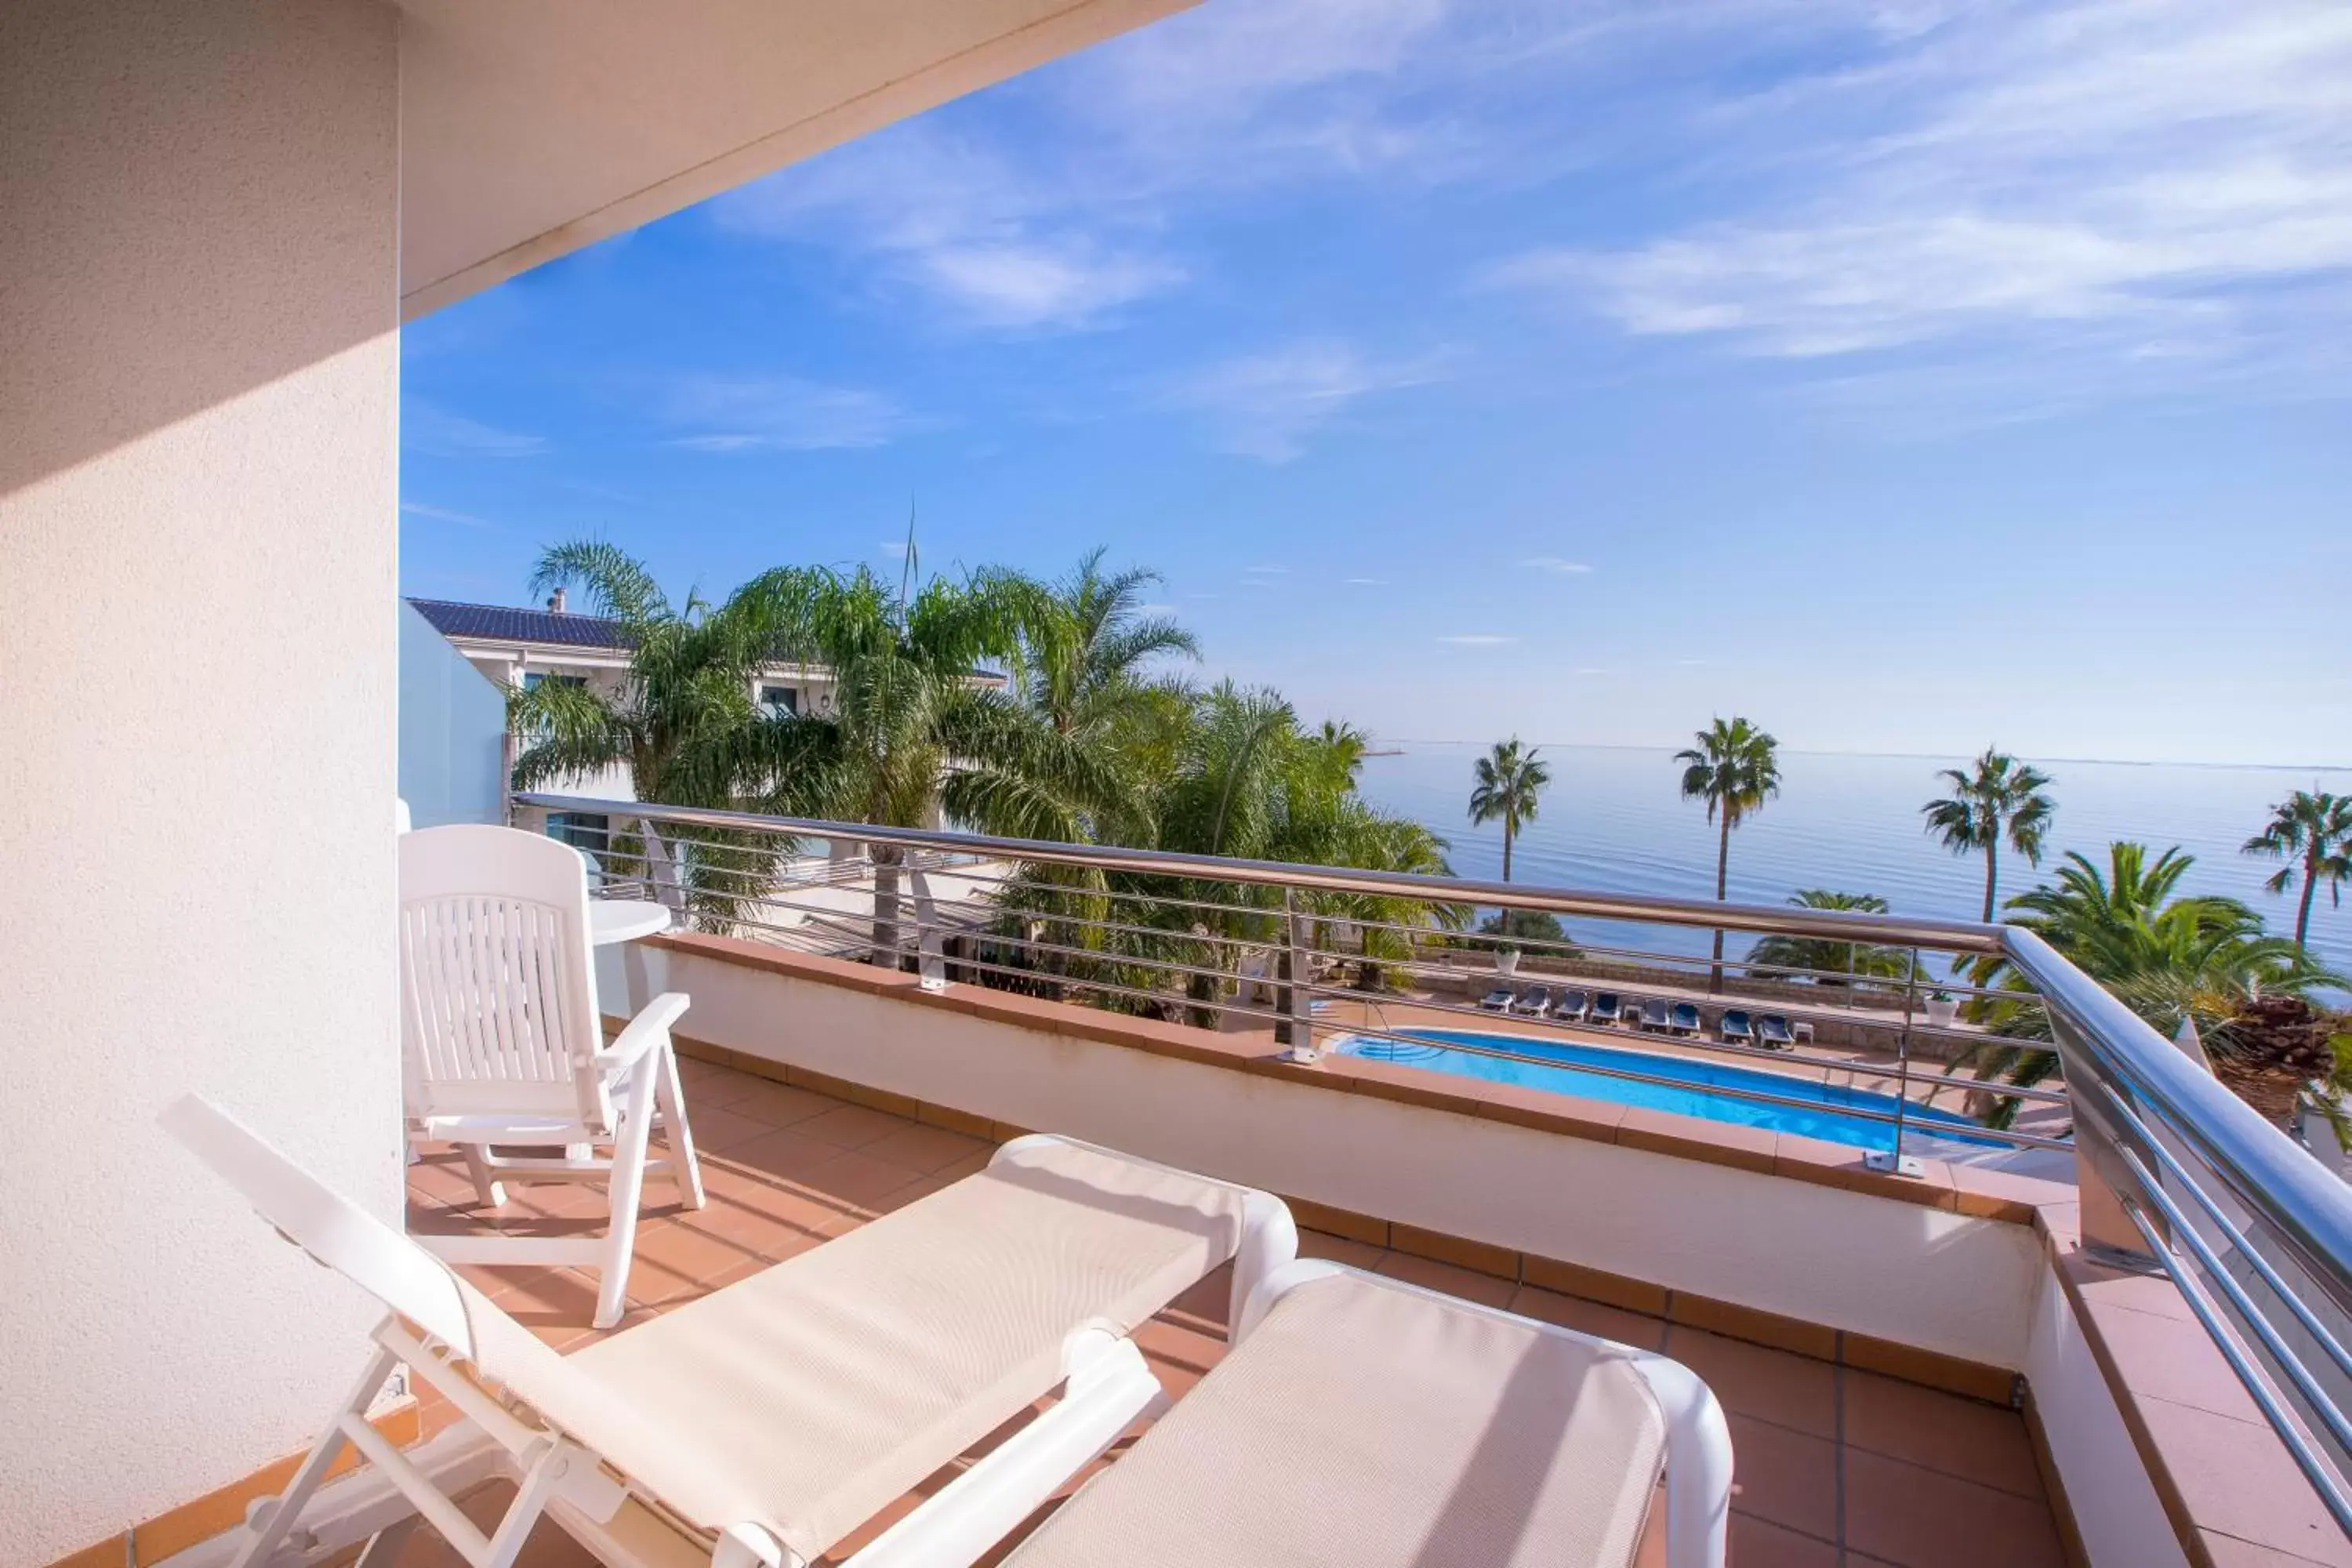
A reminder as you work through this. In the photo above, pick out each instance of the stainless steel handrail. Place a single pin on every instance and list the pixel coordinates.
(1893, 931)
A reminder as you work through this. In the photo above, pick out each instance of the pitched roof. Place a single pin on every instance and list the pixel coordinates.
(501, 623)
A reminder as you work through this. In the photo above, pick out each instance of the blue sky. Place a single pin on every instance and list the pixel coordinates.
(1904, 375)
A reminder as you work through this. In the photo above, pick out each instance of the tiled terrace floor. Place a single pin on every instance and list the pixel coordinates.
(1836, 1468)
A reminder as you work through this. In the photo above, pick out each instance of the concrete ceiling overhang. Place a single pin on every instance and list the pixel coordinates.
(531, 127)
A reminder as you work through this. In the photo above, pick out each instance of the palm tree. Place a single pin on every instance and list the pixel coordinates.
(1827, 963)
(915, 732)
(1236, 774)
(2317, 830)
(2170, 957)
(1734, 768)
(1510, 782)
(1085, 642)
(2000, 797)
(680, 723)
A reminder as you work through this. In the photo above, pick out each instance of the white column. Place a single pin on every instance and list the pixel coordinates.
(198, 575)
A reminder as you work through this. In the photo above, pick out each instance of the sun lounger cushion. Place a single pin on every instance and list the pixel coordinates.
(808, 1397)
(1366, 1425)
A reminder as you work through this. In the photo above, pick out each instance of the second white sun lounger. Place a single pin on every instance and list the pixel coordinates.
(1361, 1422)
(772, 1419)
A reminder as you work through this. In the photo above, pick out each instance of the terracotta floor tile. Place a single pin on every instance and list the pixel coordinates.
(1754, 1543)
(549, 1546)
(1340, 1249)
(1980, 1443)
(1784, 1476)
(1589, 1317)
(675, 1261)
(851, 1126)
(927, 1149)
(717, 1128)
(1785, 1389)
(1208, 1303)
(782, 1104)
(1924, 1518)
(862, 1181)
(1179, 1355)
(1484, 1288)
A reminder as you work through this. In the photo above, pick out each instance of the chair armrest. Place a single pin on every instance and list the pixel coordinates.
(647, 1029)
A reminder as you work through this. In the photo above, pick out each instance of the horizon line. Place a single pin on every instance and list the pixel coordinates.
(1906, 756)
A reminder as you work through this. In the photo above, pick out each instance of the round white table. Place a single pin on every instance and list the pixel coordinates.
(624, 919)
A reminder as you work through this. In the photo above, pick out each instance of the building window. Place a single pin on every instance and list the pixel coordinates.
(531, 682)
(780, 699)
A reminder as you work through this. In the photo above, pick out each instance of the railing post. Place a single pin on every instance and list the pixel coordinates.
(1897, 1162)
(2110, 1236)
(930, 958)
(1296, 999)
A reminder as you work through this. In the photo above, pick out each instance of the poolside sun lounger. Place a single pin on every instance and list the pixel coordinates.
(772, 1417)
(1653, 1013)
(1735, 1028)
(1571, 1005)
(1604, 1007)
(1685, 1018)
(1499, 1000)
(1363, 1422)
(1535, 1004)
(1772, 1032)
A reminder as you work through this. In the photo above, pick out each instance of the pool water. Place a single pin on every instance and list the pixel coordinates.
(1563, 1070)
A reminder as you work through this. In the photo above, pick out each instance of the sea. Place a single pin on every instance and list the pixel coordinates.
(1612, 821)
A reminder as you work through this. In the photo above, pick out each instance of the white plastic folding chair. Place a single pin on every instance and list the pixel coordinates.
(504, 1044)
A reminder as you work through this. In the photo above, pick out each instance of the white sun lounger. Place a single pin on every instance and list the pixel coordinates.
(768, 1420)
(1361, 1422)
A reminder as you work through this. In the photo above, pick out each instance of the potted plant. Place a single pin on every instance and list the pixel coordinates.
(1942, 1008)
(1506, 961)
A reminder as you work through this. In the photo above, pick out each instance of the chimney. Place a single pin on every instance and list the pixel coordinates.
(555, 603)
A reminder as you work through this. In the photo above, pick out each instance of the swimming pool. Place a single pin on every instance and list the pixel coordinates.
(1563, 1070)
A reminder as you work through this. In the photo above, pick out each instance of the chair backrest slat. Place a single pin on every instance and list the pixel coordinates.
(497, 983)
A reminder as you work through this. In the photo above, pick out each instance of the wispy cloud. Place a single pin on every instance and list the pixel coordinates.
(1366, 582)
(993, 241)
(1267, 405)
(779, 413)
(429, 428)
(444, 514)
(1053, 212)
(2154, 183)
(1555, 563)
(1478, 639)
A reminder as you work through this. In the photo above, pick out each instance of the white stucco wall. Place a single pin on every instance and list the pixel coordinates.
(198, 380)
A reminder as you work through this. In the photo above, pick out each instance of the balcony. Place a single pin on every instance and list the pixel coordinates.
(1831, 1456)
(2131, 1280)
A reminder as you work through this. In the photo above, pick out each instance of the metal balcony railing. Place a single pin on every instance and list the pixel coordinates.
(2176, 1174)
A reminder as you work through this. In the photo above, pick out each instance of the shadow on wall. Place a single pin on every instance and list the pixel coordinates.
(112, 336)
